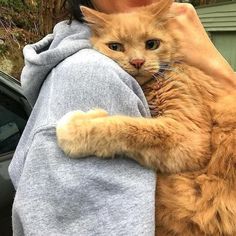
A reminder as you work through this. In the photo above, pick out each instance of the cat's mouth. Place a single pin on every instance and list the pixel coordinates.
(142, 77)
(136, 73)
(140, 72)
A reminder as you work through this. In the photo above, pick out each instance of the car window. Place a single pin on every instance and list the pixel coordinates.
(12, 122)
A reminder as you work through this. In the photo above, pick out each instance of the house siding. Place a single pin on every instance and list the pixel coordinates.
(220, 22)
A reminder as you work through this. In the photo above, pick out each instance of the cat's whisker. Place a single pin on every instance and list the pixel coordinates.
(155, 75)
(165, 68)
(180, 61)
(169, 68)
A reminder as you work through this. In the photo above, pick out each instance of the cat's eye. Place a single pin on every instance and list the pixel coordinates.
(152, 44)
(116, 47)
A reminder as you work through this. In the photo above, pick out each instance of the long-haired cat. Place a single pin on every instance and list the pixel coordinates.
(190, 140)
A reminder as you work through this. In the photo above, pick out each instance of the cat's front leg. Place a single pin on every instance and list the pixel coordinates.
(161, 143)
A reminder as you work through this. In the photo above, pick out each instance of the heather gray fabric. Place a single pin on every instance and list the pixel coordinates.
(59, 196)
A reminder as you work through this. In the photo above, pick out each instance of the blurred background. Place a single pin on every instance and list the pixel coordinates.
(26, 21)
(23, 22)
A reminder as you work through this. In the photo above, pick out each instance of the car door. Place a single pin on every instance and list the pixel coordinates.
(14, 113)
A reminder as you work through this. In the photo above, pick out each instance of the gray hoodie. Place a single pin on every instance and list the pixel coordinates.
(59, 196)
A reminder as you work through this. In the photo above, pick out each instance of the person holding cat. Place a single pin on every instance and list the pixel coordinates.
(59, 196)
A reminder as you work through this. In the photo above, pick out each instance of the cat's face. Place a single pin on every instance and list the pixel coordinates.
(138, 41)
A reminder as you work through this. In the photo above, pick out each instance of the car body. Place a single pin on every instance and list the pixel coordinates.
(14, 113)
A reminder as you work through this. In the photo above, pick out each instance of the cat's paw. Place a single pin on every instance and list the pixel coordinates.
(95, 113)
(74, 132)
(73, 115)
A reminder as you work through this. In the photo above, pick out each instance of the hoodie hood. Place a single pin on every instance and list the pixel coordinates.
(43, 56)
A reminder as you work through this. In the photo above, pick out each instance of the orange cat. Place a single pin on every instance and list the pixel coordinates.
(191, 142)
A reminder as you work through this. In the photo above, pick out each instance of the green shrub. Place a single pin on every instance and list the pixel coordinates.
(3, 49)
(17, 5)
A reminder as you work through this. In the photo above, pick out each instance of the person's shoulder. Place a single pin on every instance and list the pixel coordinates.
(89, 63)
(92, 59)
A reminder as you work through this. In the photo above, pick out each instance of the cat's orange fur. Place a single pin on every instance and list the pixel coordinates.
(191, 142)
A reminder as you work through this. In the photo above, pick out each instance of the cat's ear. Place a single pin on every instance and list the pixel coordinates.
(95, 19)
(160, 8)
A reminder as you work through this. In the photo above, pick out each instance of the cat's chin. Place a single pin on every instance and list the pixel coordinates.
(142, 79)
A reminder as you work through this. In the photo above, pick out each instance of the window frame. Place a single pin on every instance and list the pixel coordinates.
(12, 89)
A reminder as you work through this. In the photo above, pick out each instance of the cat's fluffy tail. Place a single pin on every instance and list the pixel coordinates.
(204, 202)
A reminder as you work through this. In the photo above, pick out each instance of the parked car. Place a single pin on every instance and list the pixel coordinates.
(14, 113)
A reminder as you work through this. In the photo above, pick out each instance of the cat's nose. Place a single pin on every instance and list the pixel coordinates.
(137, 63)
